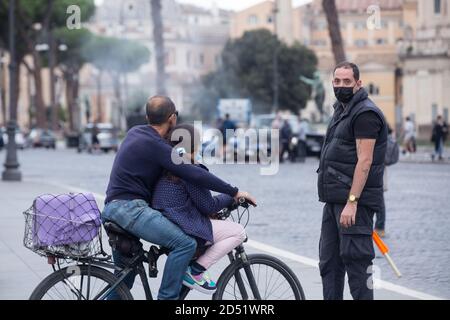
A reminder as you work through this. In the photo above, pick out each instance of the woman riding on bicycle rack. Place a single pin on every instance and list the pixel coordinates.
(192, 208)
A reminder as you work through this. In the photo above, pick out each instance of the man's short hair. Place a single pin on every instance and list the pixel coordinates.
(349, 65)
(159, 109)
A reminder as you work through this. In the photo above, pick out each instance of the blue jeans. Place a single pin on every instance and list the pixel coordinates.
(136, 217)
(439, 147)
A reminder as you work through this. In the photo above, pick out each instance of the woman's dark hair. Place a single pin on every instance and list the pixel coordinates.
(183, 136)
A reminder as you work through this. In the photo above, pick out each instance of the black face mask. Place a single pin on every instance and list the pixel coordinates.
(344, 94)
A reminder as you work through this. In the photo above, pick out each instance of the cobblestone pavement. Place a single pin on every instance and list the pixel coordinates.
(288, 215)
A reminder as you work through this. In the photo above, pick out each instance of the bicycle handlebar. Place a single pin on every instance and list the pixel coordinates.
(225, 213)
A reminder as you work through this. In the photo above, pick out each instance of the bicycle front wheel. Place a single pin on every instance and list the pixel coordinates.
(265, 278)
(80, 282)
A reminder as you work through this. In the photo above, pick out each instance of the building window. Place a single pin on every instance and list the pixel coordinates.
(169, 57)
(201, 59)
(252, 19)
(360, 25)
(437, 6)
(321, 25)
(269, 19)
(361, 43)
(446, 115)
(374, 90)
(381, 41)
(188, 58)
(319, 43)
(434, 112)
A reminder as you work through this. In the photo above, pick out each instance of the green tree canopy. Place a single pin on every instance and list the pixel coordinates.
(74, 40)
(116, 55)
(247, 72)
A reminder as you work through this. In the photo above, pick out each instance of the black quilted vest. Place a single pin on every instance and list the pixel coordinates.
(339, 156)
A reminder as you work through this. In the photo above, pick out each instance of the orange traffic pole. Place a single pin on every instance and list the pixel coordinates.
(385, 251)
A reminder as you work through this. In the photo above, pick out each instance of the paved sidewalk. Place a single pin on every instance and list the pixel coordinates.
(423, 155)
(21, 270)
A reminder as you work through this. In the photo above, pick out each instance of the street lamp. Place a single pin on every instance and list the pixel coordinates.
(275, 60)
(2, 86)
(12, 172)
(51, 47)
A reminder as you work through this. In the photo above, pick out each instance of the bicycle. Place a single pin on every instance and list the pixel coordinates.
(241, 279)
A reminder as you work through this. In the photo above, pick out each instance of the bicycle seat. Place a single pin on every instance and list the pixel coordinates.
(112, 227)
(121, 240)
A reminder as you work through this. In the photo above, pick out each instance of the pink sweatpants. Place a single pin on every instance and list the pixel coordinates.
(227, 235)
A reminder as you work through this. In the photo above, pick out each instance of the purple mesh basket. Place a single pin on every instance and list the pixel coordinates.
(65, 224)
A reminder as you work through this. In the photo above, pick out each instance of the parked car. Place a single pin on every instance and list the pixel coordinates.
(107, 137)
(42, 138)
(19, 137)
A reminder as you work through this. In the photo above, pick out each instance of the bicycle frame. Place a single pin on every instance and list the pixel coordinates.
(136, 265)
(240, 256)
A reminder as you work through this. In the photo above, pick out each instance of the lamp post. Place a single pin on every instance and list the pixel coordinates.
(2, 86)
(276, 89)
(12, 172)
(52, 46)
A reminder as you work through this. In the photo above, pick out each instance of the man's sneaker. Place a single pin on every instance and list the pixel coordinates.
(201, 282)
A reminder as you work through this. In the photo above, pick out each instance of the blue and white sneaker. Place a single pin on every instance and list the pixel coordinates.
(201, 282)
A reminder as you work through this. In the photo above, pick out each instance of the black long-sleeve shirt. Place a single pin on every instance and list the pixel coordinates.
(140, 161)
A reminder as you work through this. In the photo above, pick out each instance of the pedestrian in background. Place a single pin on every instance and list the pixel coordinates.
(409, 137)
(227, 124)
(392, 156)
(95, 141)
(285, 139)
(2, 143)
(302, 132)
(438, 137)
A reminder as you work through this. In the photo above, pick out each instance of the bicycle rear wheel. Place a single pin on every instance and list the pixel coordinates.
(79, 283)
(273, 278)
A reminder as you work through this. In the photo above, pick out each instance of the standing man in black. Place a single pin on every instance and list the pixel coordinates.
(350, 183)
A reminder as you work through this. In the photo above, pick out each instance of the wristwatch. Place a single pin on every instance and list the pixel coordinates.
(352, 198)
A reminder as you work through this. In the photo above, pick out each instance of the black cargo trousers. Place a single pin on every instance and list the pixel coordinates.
(348, 250)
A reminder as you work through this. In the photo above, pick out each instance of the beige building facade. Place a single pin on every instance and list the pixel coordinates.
(425, 57)
(277, 16)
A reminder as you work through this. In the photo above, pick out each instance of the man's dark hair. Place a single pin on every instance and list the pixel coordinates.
(349, 65)
(159, 109)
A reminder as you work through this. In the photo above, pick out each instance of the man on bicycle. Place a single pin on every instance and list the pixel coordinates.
(140, 161)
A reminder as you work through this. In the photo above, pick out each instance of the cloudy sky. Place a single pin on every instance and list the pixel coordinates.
(234, 4)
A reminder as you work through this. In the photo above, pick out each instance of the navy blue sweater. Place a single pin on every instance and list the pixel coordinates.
(188, 205)
(140, 161)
